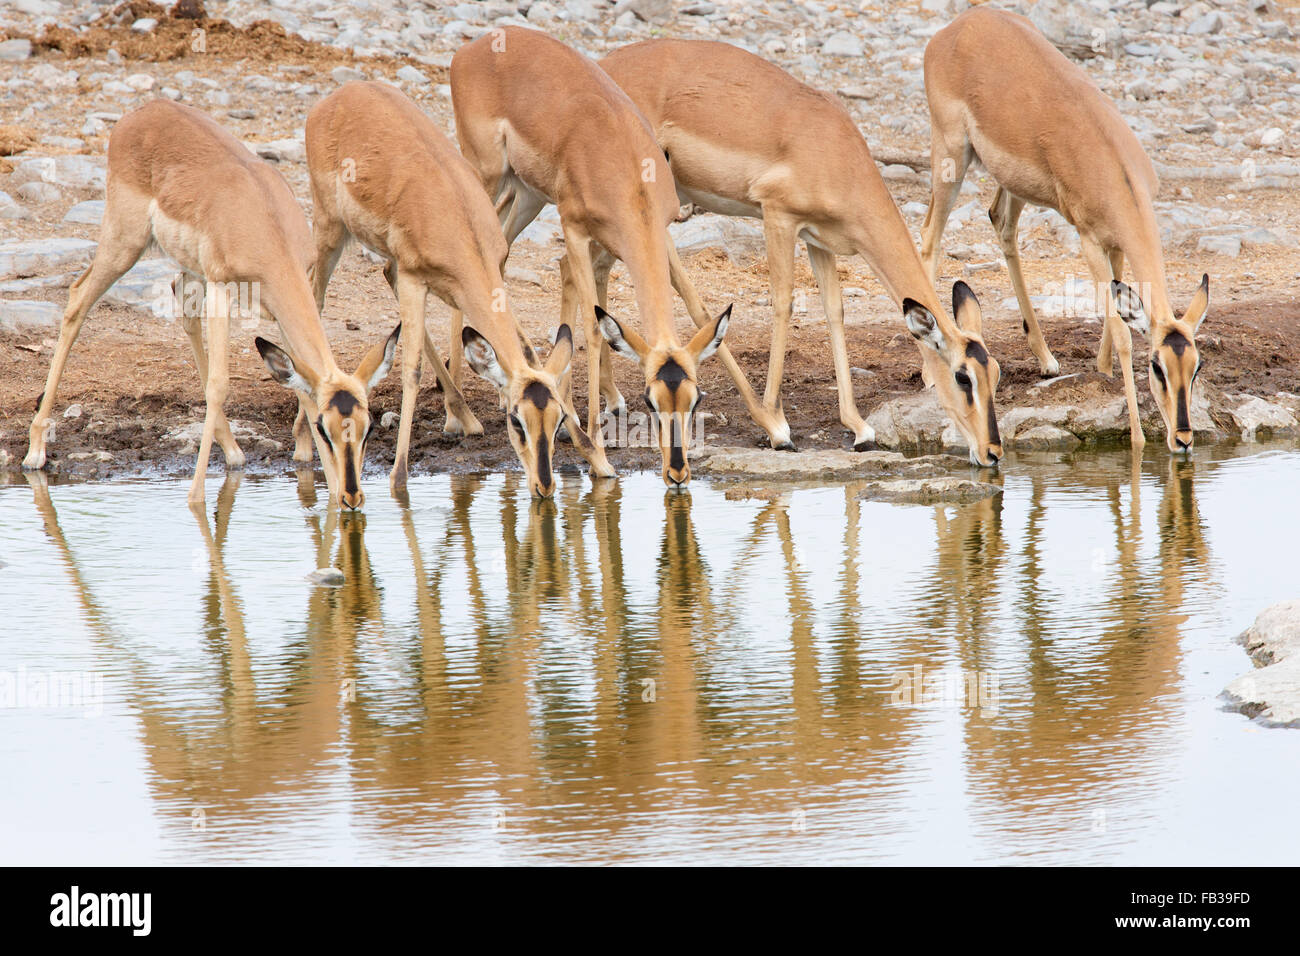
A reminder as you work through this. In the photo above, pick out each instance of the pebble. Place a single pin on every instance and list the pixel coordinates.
(409, 74)
(12, 51)
(842, 44)
(329, 577)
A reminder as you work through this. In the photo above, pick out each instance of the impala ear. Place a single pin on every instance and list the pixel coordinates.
(707, 340)
(966, 309)
(482, 357)
(379, 360)
(562, 354)
(1130, 308)
(623, 341)
(1200, 305)
(282, 368)
(924, 326)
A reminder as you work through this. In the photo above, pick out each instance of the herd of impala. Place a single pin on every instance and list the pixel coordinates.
(617, 146)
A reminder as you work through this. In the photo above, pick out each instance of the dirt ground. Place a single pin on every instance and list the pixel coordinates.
(134, 378)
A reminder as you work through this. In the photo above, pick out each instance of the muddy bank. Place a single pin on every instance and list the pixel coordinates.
(130, 399)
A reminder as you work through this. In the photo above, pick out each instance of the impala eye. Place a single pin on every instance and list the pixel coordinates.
(516, 424)
(1158, 372)
(1198, 370)
(320, 427)
(963, 380)
(646, 397)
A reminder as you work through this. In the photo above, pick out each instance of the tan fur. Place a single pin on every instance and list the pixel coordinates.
(178, 178)
(541, 123)
(384, 173)
(744, 137)
(999, 91)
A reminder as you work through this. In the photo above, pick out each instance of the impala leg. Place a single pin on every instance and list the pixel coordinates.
(584, 294)
(584, 284)
(460, 419)
(828, 281)
(569, 315)
(193, 325)
(524, 206)
(218, 309)
(120, 245)
(410, 303)
(1005, 216)
(779, 235)
(774, 423)
(302, 443)
(1099, 263)
(330, 235)
(311, 412)
(614, 402)
(455, 347)
(1105, 361)
(571, 428)
(947, 172)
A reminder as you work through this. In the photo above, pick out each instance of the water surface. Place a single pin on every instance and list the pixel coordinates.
(629, 675)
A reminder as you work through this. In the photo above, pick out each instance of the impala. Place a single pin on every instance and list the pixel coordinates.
(1049, 137)
(745, 138)
(382, 172)
(541, 123)
(177, 178)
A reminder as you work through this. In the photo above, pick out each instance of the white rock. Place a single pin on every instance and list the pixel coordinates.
(329, 577)
(140, 82)
(39, 192)
(409, 74)
(346, 74)
(739, 238)
(1229, 246)
(19, 315)
(19, 258)
(842, 44)
(11, 51)
(90, 212)
(144, 25)
(1212, 22)
(282, 151)
(1271, 693)
(75, 172)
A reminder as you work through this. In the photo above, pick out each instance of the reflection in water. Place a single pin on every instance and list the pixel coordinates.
(614, 675)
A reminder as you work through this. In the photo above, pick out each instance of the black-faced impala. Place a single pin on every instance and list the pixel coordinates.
(384, 173)
(745, 138)
(1000, 92)
(178, 178)
(541, 123)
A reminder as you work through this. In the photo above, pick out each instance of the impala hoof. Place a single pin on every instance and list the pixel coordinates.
(34, 461)
(867, 444)
(786, 445)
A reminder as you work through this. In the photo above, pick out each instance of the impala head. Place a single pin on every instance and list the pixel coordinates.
(1175, 361)
(532, 399)
(965, 375)
(342, 406)
(672, 391)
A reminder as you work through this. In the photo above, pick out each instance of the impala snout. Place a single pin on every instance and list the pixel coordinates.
(353, 500)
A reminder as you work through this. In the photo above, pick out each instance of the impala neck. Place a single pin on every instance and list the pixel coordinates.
(289, 299)
(480, 303)
(1147, 264)
(888, 249)
(648, 269)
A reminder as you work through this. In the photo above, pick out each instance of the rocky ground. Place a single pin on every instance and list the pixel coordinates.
(1211, 89)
